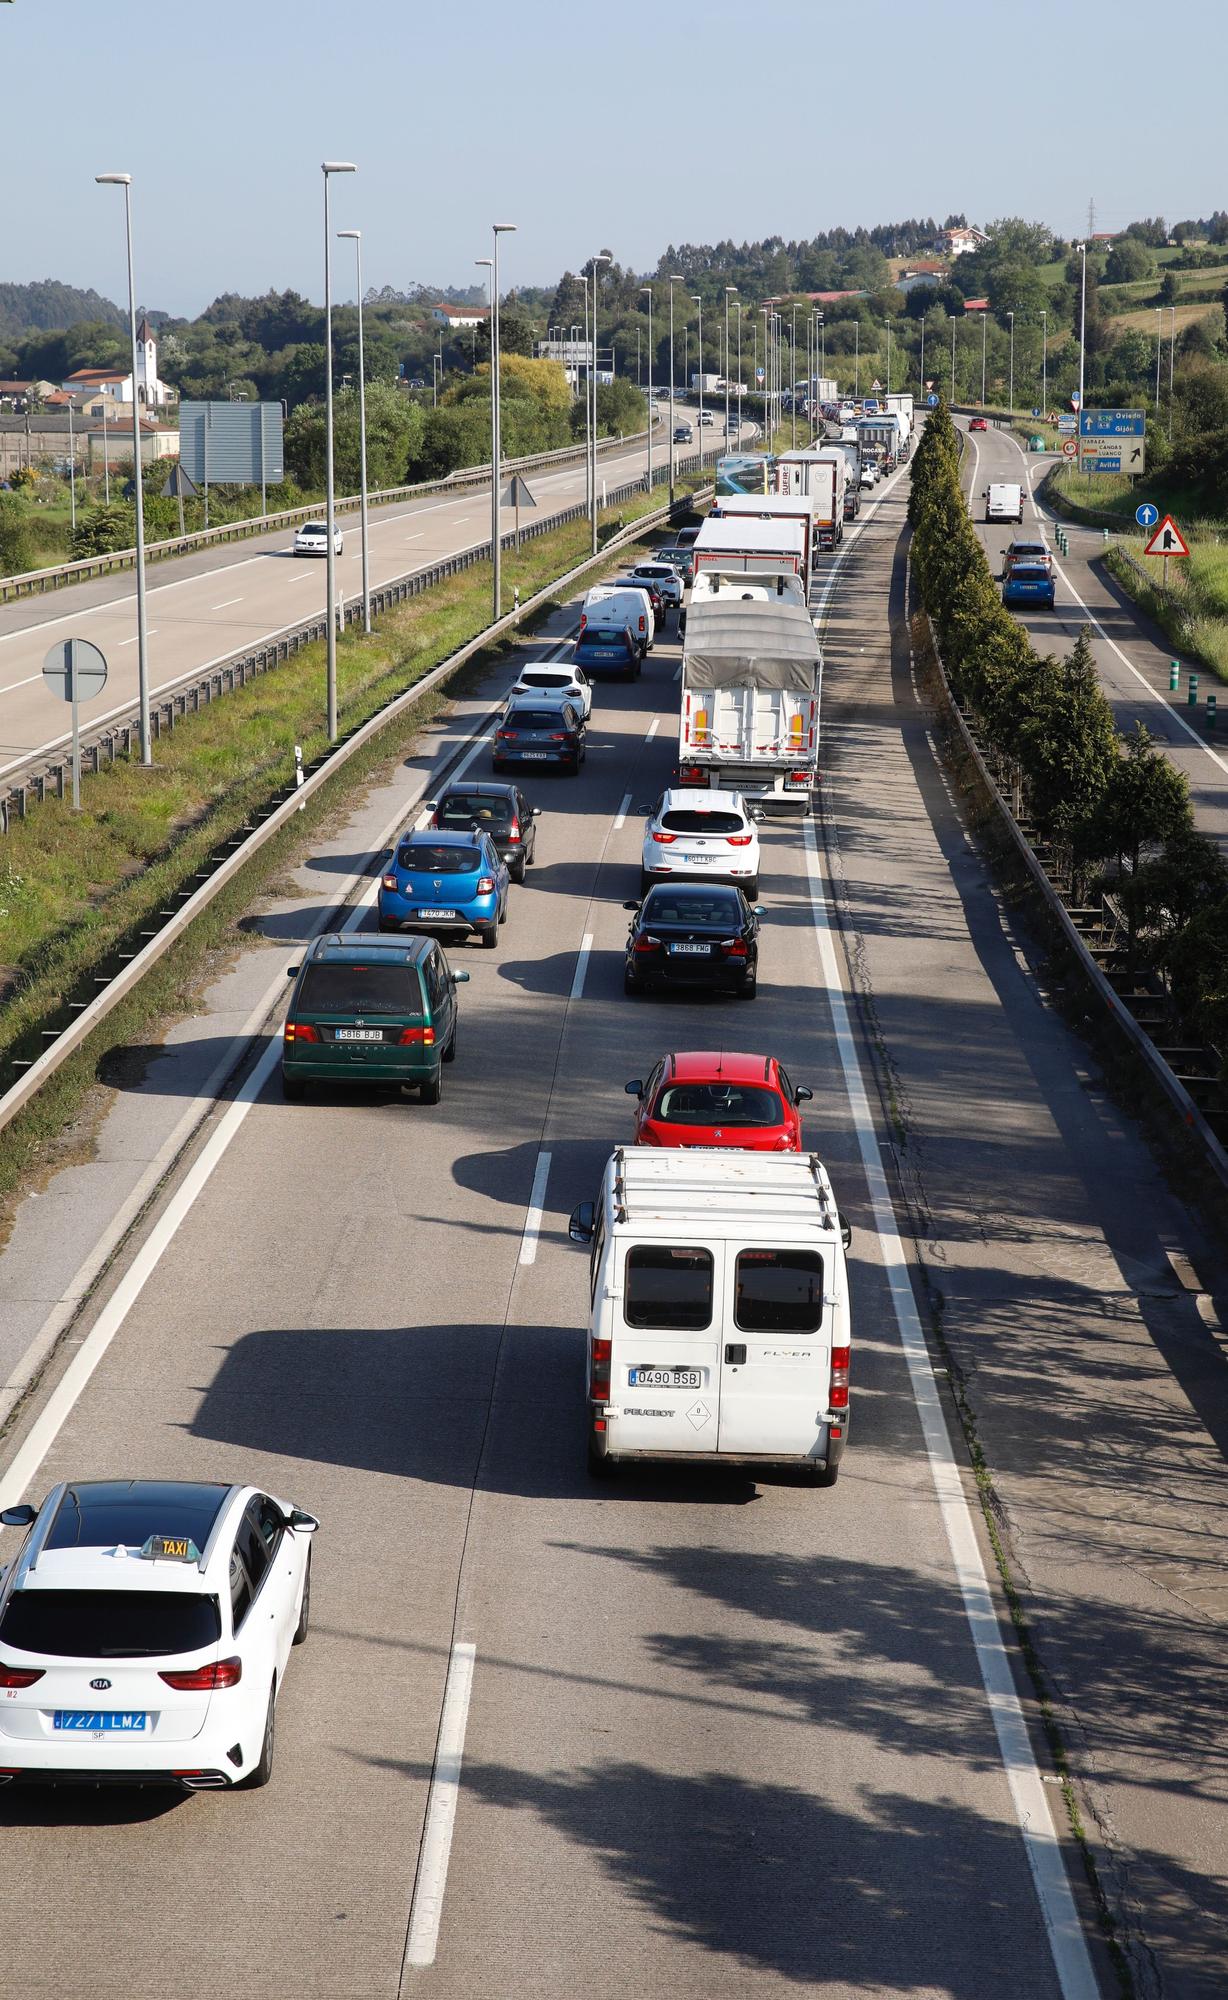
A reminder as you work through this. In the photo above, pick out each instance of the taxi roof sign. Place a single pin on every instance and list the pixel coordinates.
(171, 1548)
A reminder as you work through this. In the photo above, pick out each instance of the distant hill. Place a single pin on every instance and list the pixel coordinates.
(47, 303)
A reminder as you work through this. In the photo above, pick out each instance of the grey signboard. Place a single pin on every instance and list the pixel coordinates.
(232, 444)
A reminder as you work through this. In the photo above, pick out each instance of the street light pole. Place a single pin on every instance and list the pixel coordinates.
(1172, 355)
(648, 289)
(1159, 346)
(730, 291)
(1082, 335)
(1170, 398)
(355, 236)
(1011, 404)
(793, 382)
(856, 357)
(328, 169)
(888, 355)
(1044, 363)
(675, 278)
(600, 259)
(142, 635)
(697, 301)
(953, 319)
(984, 332)
(498, 229)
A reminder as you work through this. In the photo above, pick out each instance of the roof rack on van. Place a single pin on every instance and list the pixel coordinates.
(620, 1183)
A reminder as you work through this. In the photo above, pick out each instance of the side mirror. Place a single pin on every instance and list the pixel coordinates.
(644, 809)
(460, 979)
(536, 812)
(19, 1517)
(803, 1094)
(429, 806)
(583, 1224)
(300, 1522)
(633, 906)
(846, 1233)
(291, 970)
(757, 816)
(635, 1088)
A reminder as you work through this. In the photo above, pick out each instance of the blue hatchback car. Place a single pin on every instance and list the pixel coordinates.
(1029, 583)
(445, 883)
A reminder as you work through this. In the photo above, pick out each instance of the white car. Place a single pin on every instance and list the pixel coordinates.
(869, 475)
(664, 579)
(145, 1627)
(706, 417)
(701, 836)
(312, 539)
(558, 684)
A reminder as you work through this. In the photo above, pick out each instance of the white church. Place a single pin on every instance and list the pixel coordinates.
(151, 392)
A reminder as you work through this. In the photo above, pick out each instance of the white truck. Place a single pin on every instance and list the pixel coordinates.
(903, 403)
(1004, 500)
(720, 1329)
(706, 385)
(742, 557)
(752, 687)
(823, 476)
(776, 507)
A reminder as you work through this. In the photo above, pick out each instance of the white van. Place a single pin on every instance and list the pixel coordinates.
(1004, 501)
(719, 1322)
(622, 605)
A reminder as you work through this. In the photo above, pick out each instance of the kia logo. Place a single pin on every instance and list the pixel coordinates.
(100, 1684)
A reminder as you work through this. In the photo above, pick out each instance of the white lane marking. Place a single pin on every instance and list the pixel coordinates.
(1170, 710)
(620, 817)
(415, 538)
(577, 983)
(652, 728)
(426, 1910)
(225, 601)
(152, 633)
(1066, 1941)
(533, 1217)
(678, 671)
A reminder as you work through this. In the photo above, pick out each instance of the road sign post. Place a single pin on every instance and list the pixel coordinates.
(77, 672)
(518, 495)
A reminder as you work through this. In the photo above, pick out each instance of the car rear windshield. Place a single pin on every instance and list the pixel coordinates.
(537, 718)
(604, 635)
(110, 1624)
(668, 1288)
(654, 572)
(461, 811)
(778, 1291)
(360, 989)
(420, 857)
(719, 1104)
(714, 823)
(546, 680)
(687, 906)
(1029, 573)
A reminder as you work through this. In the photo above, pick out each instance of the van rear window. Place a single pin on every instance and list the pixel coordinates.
(359, 989)
(778, 1291)
(668, 1287)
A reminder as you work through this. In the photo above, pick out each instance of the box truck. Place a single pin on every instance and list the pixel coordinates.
(747, 558)
(904, 404)
(776, 507)
(752, 685)
(823, 476)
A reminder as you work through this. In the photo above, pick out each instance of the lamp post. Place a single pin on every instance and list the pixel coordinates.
(498, 229)
(730, 292)
(740, 374)
(1082, 334)
(767, 378)
(953, 317)
(856, 357)
(793, 381)
(600, 259)
(1011, 402)
(1159, 345)
(675, 278)
(697, 301)
(328, 169)
(984, 332)
(142, 636)
(355, 236)
(648, 290)
(888, 355)
(1172, 355)
(921, 389)
(106, 457)
(72, 463)
(1044, 363)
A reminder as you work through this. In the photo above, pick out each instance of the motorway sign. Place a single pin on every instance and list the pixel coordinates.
(1067, 426)
(1146, 515)
(1070, 447)
(1112, 454)
(1167, 540)
(1113, 423)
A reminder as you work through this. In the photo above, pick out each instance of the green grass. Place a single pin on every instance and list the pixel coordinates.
(72, 887)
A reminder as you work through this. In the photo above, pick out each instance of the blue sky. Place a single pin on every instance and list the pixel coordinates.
(628, 126)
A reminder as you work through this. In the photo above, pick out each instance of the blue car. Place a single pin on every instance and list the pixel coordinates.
(1029, 583)
(608, 649)
(448, 884)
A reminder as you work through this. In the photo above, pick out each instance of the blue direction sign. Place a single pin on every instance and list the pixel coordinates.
(1146, 515)
(932, 401)
(1113, 423)
(1036, 409)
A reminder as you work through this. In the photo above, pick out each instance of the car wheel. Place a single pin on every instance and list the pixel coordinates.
(518, 868)
(449, 1054)
(432, 1090)
(748, 989)
(490, 938)
(293, 1089)
(383, 924)
(259, 1776)
(304, 1610)
(496, 763)
(599, 1467)
(503, 911)
(630, 985)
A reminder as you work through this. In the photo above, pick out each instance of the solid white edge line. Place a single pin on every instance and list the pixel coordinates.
(1066, 1941)
(620, 817)
(426, 1910)
(577, 983)
(653, 726)
(533, 1217)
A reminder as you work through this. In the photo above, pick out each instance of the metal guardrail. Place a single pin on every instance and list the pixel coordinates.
(35, 582)
(1167, 1079)
(194, 690)
(237, 851)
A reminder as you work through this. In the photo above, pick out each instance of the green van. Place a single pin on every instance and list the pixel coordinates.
(371, 1009)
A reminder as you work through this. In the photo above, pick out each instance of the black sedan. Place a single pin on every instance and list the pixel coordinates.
(694, 936)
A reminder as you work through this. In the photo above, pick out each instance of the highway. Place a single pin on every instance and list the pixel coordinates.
(721, 1738)
(1131, 657)
(206, 607)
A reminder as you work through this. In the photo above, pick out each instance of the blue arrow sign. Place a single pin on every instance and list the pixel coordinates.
(1146, 515)
(1113, 423)
(932, 401)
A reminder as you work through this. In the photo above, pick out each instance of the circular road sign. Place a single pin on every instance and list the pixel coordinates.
(1146, 515)
(1036, 410)
(1075, 399)
(1070, 447)
(932, 402)
(74, 669)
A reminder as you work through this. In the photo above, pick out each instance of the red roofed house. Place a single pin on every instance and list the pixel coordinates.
(454, 316)
(117, 382)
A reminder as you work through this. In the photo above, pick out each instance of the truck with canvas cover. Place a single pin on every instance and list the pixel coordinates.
(752, 685)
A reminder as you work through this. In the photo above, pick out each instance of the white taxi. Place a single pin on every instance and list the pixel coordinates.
(145, 1627)
(702, 836)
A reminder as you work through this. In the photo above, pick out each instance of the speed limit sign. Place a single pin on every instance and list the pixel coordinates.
(1070, 447)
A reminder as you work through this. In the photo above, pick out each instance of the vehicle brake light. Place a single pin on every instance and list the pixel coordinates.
(648, 944)
(388, 882)
(25, 1677)
(416, 1038)
(738, 839)
(665, 839)
(798, 778)
(839, 1397)
(486, 885)
(507, 735)
(554, 738)
(204, 1680)
(300, 1031)
(734, 947)
(513, 832)
(601, 1371)
(643, 621)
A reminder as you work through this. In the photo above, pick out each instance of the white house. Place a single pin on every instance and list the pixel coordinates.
(152, 392)
(958, 242)
(454, 316)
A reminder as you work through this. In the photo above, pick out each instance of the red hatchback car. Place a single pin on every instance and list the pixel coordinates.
(979, 424)
(714, 1099)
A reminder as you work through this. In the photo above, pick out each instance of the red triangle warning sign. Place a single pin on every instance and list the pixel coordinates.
(1167, 540)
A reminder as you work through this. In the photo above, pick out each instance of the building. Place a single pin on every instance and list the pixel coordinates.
(959, 242)
(45, 440)
(458, 316)
(153, 393)
(921, 271)
(573, 355)
(18, 395)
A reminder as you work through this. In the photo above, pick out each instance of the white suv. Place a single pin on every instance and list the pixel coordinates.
(703, 836)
